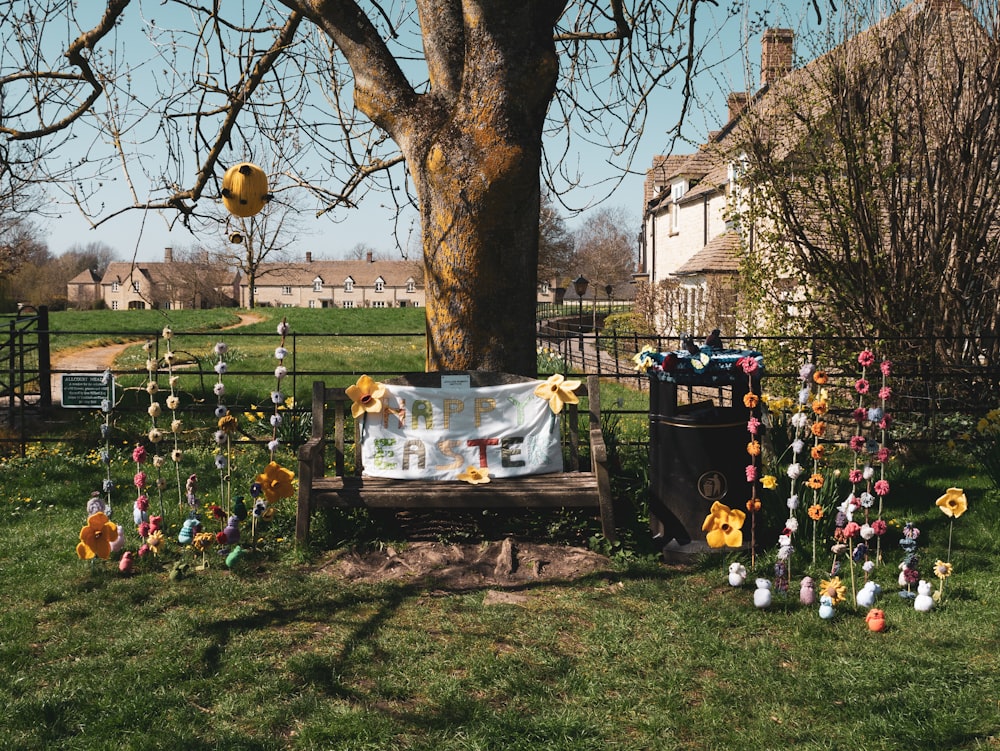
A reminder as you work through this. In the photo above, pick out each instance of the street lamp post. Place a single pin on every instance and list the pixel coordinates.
(580, 285)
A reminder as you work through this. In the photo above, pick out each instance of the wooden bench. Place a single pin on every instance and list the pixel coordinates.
(578, 485)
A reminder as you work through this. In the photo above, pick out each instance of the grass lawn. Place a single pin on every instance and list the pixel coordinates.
(276, 652)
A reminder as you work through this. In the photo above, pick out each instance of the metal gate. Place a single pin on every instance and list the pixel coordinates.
(25, 368)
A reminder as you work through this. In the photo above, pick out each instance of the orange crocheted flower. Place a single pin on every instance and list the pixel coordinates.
(815, 481)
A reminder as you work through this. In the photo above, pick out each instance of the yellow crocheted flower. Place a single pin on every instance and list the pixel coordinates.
(276, 482)
(558, 392)
(366, 396)
(96, 537)
(475, 476)
(953, 503)
(833, 588)
(723, 526)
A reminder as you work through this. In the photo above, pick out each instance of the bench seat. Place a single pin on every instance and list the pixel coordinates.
(582, 484)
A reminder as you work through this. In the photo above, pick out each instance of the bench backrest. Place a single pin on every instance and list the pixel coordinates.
(335, 400)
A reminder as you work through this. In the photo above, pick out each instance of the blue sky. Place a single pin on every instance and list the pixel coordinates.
(144, 235)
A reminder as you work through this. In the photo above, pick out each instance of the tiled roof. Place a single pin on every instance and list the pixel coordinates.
(364, 273)
(87, 276)
(720, 256)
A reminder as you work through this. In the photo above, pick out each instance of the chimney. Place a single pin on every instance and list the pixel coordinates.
(309, 256)
(368, 257)
(168, 255)
(775, 54)
(736, 102)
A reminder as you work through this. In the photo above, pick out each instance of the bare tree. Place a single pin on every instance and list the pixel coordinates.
(196, 278)
(254, 241)
(555, 242)
(464, 89)
(607, 246)
(363, 252)
(22, 253)
(871, 182)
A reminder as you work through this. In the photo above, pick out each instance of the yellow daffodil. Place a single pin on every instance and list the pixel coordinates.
(723, 526)
(475, 476)
(276, 482)
(366, 396)
(953, 503)
(833, 588)
(96, 537)
(558, 392)
(770, 482)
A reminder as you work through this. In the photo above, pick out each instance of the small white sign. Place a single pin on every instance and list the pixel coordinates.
(456, 382)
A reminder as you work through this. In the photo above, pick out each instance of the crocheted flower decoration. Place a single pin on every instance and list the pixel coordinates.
(276, 482)
(557, 391)
(96, 537)
(366, 396)
(723, 526)
(475, 476)
(953, 503)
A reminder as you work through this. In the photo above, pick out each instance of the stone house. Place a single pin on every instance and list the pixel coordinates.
(368, 283)
(691, 248)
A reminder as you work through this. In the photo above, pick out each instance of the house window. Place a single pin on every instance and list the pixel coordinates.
(411, 286)
(114, 305)
(378, 303)
(312, 303)
(380, 285)
(114, 286)
(317, 285)
(286, 289)
(677, 192)
(135, 287)
(348, 303)
(545, 288)
(348, 285)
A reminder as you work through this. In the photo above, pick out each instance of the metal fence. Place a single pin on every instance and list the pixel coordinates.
(932, 399)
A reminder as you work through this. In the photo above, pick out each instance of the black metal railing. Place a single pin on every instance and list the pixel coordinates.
(931, 398)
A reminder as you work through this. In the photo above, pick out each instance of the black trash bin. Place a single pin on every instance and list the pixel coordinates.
(697, 452)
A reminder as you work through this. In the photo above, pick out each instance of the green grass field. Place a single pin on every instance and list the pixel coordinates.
(276, 653)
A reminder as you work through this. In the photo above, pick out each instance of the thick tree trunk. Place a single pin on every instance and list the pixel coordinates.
(480, 240)
(477, 176)
(473, 147)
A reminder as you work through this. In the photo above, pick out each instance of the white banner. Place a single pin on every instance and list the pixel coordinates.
(437, 433)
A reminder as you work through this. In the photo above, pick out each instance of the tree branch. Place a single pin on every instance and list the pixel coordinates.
(74, 54)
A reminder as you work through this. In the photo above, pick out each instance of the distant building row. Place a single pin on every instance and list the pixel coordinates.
(175, 285)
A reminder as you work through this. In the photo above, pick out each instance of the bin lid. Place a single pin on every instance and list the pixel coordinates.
(707, 367)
